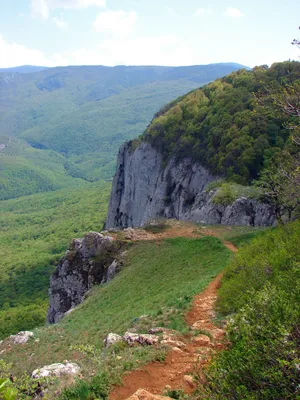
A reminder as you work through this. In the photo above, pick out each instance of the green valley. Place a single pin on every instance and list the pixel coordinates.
(83, 114)
(35, 232)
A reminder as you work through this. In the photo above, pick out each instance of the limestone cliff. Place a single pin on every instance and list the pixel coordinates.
(89, 261)
(144, 188)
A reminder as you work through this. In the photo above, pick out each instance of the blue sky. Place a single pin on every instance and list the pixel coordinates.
(147, 32)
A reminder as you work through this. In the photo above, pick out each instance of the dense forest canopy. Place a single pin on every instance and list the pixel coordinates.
(228, 125)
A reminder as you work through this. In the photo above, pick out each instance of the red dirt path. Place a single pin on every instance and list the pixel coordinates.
(181, 362)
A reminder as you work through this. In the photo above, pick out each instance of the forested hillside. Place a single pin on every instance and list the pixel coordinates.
(84, 114)
(26, 170)
(230, 125)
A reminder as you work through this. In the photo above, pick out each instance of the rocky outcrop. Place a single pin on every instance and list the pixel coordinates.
(145, 188)
(89, 261)
(57, 370)
(142, 394)
(112, 338)
(140, 338)
(21, 337)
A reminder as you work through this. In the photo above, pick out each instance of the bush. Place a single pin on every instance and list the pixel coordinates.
(229, 192)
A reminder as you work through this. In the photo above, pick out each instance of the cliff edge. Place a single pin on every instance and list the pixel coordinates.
(144, 187)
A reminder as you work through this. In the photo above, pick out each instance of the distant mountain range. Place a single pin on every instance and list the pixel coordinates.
(68, 122)
(24, 69)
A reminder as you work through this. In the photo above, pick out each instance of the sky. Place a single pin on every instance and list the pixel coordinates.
(147, 32)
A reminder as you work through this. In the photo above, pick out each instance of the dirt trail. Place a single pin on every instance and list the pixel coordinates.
(177, 229)
(188, 354)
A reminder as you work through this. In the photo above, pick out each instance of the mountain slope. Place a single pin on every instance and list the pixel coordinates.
(23, 69)
(85, 113)
(224, 126)
(217, 132)
(25, 170)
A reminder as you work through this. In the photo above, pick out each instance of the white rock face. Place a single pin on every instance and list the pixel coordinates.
(112, 338)
(144, 189)
(56, 370)
(21, 337)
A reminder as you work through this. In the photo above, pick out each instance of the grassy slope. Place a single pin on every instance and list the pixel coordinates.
(260, 293)
(160, 287)
(25, 170)
(35, 232)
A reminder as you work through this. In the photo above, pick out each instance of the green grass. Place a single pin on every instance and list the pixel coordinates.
(241, 235)
(238, 235)
(35, 232)
(160, 286)
(260, 294)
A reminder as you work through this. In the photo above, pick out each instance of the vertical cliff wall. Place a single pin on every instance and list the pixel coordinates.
(144, 188)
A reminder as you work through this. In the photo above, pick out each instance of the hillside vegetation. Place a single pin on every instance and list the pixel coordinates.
(35, 232)
(84, 114)
(25, 170)
(261, 294)
(224, 126)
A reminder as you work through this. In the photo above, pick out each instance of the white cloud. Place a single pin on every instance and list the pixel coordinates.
(42, 8)
(115, 22)
(160, 50)
(203, 11)
(13, 54)
(60, 22)
(77, 3)
(234, 13)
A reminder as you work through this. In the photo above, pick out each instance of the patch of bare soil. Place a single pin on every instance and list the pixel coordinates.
(174, 229)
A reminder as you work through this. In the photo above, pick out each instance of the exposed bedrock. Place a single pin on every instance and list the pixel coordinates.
(144, 188)
(89, 261)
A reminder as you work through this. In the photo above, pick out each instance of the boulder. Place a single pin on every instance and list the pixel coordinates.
(21, 337)
(57, 369)
(190, 380)
(112, 338)
(142, 394)
(143, 339)
(202, 340)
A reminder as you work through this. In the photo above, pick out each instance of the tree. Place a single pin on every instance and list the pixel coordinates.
(281, 181)
(280, 184)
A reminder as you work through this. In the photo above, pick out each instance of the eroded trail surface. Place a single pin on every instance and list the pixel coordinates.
(187, 354)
